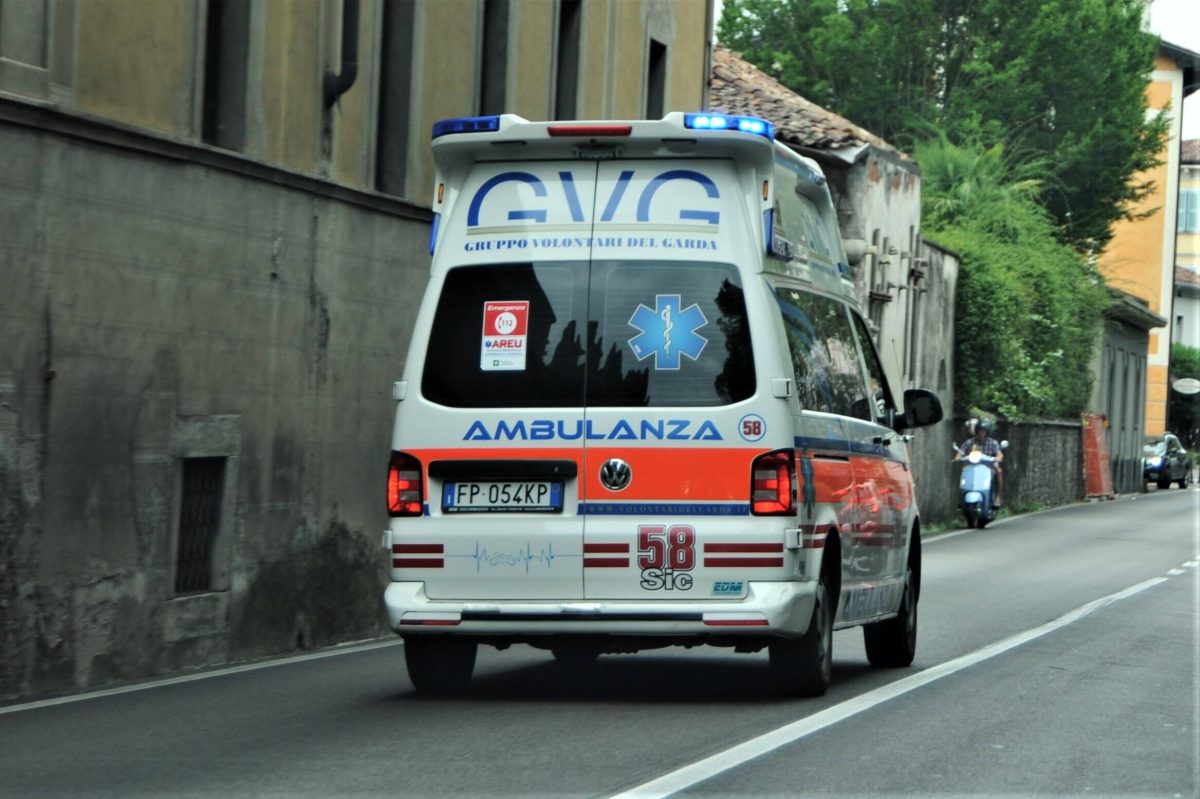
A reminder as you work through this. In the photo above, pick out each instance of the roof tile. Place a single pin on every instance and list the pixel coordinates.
(739, 87)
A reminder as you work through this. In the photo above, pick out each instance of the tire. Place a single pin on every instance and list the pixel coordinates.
(439, 665)
(970, 516)
(1187, 478)
(893, 643)
(1164, 483)
(981, 522)
(804, 666)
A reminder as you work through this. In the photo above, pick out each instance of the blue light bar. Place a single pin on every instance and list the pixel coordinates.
(466, 125)
(759, 127)
(433, 232)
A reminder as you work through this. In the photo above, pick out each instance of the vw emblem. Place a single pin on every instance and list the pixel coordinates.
(616, 474)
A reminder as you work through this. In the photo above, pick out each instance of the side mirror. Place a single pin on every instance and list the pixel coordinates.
(921, 409)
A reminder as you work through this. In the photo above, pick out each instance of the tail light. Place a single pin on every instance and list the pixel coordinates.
(773, 475)
(404, 485)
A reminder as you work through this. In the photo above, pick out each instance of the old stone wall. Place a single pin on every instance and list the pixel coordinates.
(1043, 467)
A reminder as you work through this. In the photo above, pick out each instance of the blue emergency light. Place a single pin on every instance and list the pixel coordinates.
(466, 125)
(759, 127)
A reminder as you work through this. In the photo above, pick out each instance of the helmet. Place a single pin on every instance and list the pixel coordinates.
(971, 426)
(985, 426)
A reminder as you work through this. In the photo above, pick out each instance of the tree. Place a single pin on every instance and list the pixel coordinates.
(1063, 81)
(1183, 410)
(1029, 307)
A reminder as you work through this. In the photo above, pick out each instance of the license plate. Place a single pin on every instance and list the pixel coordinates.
(502, 496)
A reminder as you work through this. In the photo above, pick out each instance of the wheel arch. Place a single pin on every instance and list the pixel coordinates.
(831, 566)
(914, 556)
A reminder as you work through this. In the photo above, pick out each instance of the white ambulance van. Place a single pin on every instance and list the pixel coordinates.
(642, 409)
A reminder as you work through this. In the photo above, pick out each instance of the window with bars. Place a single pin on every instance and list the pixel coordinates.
(566, 86)
(493, 67)
(656, 80)
(199, 523)
(226, 51)
(397, 44)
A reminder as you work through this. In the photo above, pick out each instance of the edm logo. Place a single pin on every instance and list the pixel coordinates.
(565, 192)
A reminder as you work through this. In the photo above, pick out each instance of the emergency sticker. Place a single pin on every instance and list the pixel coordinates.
(505, 334)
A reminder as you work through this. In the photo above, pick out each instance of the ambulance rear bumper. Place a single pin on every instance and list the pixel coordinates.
(769, 608)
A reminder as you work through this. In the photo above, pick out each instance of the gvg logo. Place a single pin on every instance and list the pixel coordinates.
(563, 193)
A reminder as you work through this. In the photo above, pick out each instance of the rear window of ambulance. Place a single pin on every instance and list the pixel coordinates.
(640, 334)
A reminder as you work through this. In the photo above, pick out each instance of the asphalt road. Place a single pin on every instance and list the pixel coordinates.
(1057, 657)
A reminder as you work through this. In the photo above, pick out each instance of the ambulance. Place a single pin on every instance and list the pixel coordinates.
(641, 409)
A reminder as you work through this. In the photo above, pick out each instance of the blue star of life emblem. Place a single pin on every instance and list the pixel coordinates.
(667, 332)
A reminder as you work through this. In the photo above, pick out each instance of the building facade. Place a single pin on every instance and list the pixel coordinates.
(1140, 259)
(1185, 327)
(214, 225)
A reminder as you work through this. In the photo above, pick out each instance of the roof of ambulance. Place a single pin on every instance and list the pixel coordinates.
(508, 137)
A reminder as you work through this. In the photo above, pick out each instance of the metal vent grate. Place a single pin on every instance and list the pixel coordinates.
(199, 523)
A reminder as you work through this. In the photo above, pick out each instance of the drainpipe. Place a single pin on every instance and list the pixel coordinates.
(336, 85)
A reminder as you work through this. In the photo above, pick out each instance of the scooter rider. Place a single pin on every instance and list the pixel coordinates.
(982, 440)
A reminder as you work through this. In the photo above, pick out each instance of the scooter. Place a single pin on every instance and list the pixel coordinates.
(975, 489)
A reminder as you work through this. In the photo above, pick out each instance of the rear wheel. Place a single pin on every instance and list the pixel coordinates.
(439, 665)
(893, 643)
(1187, 478)
(804, 666)
(1164, 483)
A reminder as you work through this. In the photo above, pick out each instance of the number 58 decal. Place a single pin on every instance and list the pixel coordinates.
(752, 427)
(666, 555)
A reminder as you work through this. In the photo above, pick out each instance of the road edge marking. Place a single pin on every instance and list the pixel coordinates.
(343, 649)
(713, 765)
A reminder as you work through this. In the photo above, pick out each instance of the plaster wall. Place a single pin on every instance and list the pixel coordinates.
(165, 309)
(879, 201)
(934, 369)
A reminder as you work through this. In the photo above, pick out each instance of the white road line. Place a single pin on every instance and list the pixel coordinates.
(347, 649)
(1175, 572)
(713, 765)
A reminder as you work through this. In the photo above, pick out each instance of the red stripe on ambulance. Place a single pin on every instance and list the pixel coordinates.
(605, 563)
(418, 562)
(745, 555)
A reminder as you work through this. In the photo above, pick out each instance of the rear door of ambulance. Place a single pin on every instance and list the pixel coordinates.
(672, 430)
(590, 353)
(498, 421)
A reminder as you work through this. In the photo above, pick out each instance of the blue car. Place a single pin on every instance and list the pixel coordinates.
(1165, 461)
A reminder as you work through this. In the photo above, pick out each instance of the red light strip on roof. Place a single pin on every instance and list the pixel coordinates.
(590, 130)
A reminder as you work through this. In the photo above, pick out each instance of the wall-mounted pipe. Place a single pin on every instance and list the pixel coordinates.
(336, 85)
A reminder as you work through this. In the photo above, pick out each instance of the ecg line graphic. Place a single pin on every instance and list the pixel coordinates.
(524, 556)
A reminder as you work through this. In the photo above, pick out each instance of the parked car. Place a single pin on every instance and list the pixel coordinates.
(1165, 461)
